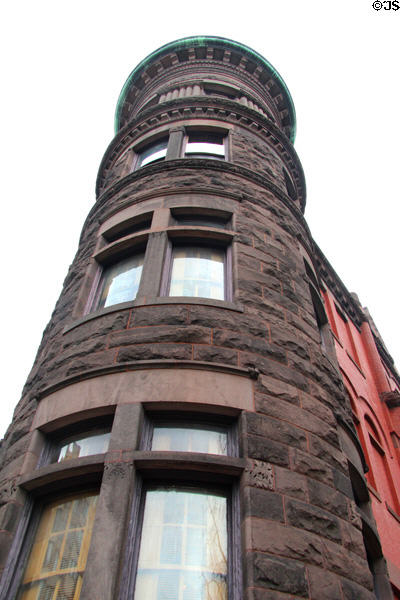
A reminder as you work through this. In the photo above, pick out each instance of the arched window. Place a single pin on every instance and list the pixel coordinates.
(380, 476)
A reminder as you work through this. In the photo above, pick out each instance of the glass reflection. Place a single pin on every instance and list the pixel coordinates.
(183, 551)
(190, 438)
(120, 282)
(198, 272)
(84, 445)
(58, 557)
(154, 153)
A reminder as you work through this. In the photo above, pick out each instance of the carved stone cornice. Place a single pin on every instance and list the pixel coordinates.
(194, 54)
(336, 285)
(391, 399)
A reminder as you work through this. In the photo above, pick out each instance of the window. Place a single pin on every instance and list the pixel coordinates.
(184, 544)
(205, 144)
(59, 551)
(154, 152)
(120, 281)
(192, 217)
(224, 91)
(190, 438)
(185, 537)
(129, 226)
(198, 272)
(84, 444)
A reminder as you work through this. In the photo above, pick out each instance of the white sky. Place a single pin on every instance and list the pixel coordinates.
(64, 65)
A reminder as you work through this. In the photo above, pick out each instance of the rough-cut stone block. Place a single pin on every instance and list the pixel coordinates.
(278, 574)
(324, 585)
(327, 498)
(99, 326)
(262, 503)
(159, 315)
(290, 483)
(315, 407)
(267, 450)
(302, 515)
(324, 450)
(155, 351)
(285, 338)
(302, 462)
(353, 539)
(248, 343)
(276, 429)
(274, 369)
(347, 564)
(297, 416)
(215, 354)
(160, 334)
(352, 591)
(93, 361)
(274, 387)
(342, 483)
(281, 540)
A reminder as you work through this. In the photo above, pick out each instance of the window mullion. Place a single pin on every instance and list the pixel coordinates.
(153, 265)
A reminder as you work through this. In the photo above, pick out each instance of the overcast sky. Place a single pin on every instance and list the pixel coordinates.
(64, 65)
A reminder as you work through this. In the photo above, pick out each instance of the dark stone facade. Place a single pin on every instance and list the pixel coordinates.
(300, 533)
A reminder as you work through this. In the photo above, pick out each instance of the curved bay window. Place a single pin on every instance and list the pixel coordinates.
(59, 552)
(184, 544)
(120, 281)
(198, 271)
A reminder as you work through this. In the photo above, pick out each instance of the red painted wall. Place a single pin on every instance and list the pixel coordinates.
(367, 380)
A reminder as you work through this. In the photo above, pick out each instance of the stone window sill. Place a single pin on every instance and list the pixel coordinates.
(188, 462)
(87, 468)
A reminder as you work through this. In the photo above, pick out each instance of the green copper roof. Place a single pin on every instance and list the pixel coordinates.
(202, 41)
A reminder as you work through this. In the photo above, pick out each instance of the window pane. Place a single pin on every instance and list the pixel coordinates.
(120, 282)
(189, 438)
(153, 153)
(198, 272)
(202, 143)
(200, 148)
(183, 553)
(58, 557)
(85, 445)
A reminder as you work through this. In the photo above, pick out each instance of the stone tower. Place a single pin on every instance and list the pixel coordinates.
(184, 432)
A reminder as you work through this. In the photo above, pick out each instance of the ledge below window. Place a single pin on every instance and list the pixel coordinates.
(88, 469)
(188, 463)
(138, 302)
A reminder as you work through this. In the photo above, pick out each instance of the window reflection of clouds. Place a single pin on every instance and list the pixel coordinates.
(198, 272)
(189, 439)
(183, 552)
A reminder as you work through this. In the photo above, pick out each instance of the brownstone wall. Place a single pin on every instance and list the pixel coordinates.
(300, 531)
